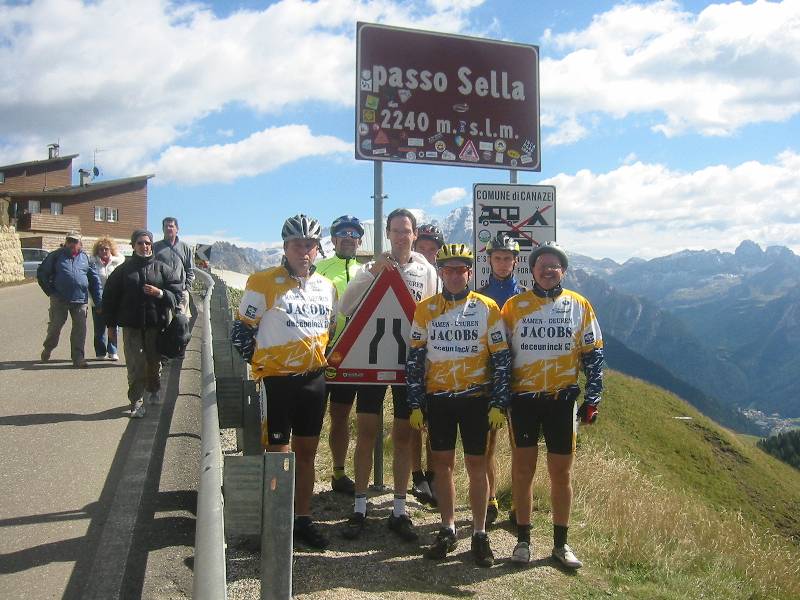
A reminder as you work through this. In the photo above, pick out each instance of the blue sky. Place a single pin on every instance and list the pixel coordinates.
(665, 125)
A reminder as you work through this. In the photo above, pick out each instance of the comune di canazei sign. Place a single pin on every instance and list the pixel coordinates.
(446, 99)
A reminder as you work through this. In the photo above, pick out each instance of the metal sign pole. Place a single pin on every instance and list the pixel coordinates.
(377, 236)
(378, 205)
(512, 176)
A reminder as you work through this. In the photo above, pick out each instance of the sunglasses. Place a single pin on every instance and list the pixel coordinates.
(348, 234)
(455, 270)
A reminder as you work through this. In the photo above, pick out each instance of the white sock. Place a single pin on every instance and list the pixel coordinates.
(361, 504)
(399, 505)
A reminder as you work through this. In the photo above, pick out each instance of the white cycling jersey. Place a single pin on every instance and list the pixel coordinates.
(418, 274)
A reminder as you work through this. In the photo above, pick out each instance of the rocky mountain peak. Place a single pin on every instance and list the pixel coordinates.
(749, 253)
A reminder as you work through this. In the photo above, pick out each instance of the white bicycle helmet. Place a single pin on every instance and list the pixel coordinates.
(301, 227)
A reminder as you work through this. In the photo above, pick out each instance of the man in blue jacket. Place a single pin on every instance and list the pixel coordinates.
(503, 252)
(67, 276)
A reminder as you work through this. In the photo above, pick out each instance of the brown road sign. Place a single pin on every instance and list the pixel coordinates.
(445, 99)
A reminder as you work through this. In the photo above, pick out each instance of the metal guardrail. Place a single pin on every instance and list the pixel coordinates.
(209, 582)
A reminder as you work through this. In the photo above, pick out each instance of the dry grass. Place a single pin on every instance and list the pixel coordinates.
(665, 533)
(629, 521)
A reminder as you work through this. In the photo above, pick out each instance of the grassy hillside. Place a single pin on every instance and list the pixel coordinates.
(681, 506)
(721, 468)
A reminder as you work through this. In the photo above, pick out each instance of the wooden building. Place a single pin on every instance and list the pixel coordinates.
(38, 197)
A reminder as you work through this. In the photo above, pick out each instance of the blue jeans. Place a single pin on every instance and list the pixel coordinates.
(101, 346)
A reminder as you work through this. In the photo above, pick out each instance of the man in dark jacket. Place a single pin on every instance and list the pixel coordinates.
(503, 252)
(179, 256)
(67, 276)
(137, 297)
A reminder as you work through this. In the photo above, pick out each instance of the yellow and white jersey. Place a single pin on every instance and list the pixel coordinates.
(547, 337)
(293, 321)
(459, 336)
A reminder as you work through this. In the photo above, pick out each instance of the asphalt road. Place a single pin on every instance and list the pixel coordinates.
(92, 503)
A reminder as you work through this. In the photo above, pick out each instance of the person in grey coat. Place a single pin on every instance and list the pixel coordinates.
(179, 256)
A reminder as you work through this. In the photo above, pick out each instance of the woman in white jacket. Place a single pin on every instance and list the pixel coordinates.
(106, 258)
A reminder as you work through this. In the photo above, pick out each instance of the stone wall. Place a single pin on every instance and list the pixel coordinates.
(10, 256)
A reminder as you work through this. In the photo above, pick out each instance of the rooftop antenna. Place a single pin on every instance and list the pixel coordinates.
(95, 169)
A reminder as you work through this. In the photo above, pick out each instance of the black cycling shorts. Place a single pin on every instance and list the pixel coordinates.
(295, 406)
(529, 418)
(342, 393)
(370, 400)
(447, 415)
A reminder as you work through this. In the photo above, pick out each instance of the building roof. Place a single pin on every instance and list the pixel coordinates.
(38, 162)
(75, 190)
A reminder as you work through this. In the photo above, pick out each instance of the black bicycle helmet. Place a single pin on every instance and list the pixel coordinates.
(549, 248)
(347, 221)
(431, 232)
(502, 242)
(301, 227)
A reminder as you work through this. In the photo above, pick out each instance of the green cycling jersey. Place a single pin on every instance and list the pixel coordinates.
(339, 271)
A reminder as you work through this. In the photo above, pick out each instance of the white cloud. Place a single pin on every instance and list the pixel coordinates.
(419, 214)
(630, 158)
(712, 73)
(448, 196)
(648, 210)
(261, 152)
(568, 131)
(136, 77)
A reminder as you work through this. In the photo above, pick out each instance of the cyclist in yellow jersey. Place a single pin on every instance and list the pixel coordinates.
(552, 333)
(458, 377)
(285, 318)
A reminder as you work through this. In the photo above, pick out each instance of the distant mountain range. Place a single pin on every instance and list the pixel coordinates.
(720, 329)
(727, 323)
(243, 260)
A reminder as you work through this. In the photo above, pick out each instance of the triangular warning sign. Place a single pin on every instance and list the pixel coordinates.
(373, 346)
(469, 153)
(381, 138)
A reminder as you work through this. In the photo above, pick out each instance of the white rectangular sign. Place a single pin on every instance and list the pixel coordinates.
(526, 213)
